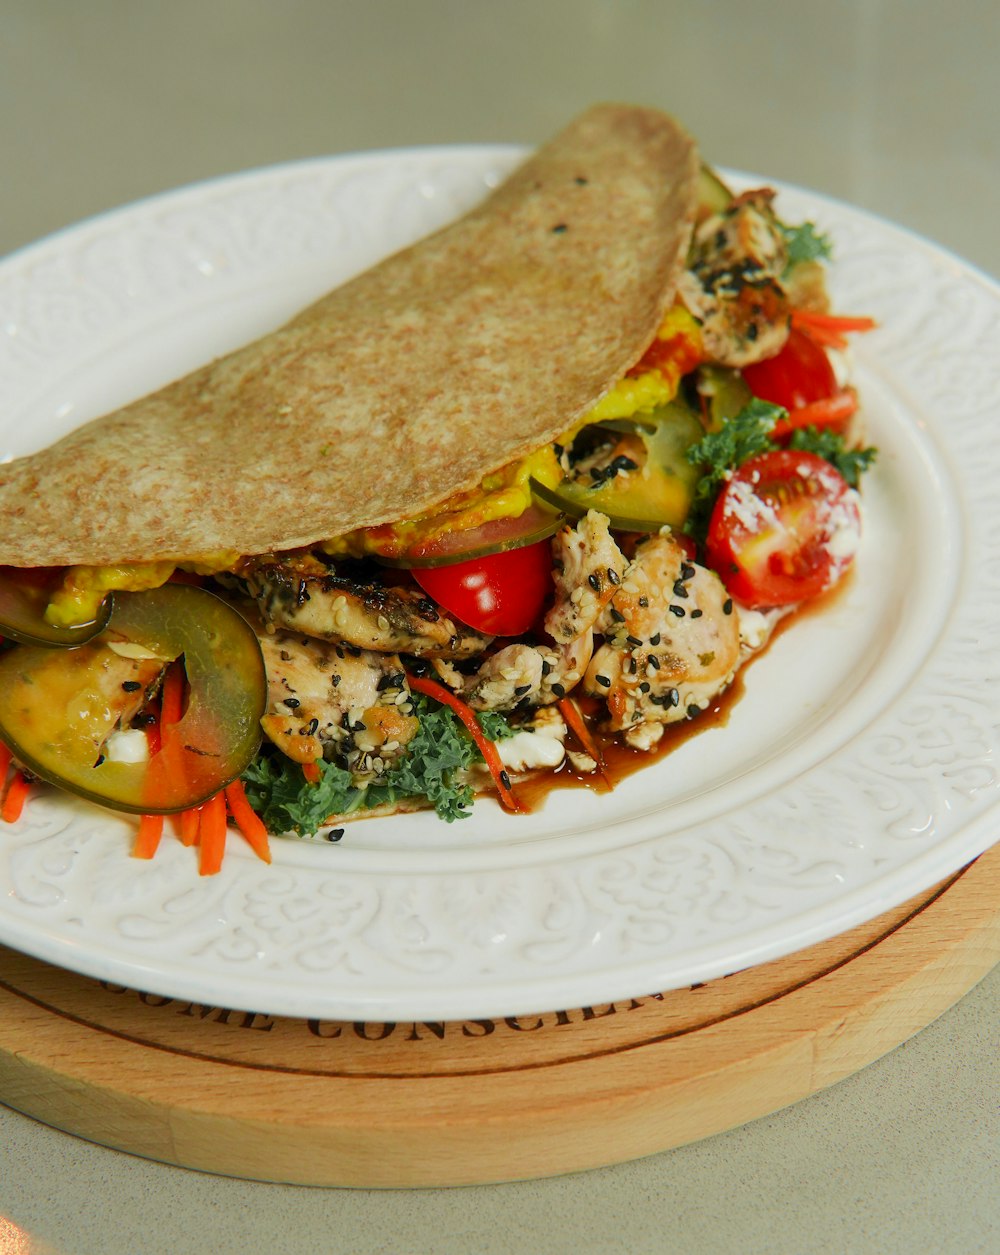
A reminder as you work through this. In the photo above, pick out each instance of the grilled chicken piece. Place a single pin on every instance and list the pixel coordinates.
(588, 569)
(672, 642)
(518, 677)
(124, 684)
(733, 281)
(306, 595)
(328, 701)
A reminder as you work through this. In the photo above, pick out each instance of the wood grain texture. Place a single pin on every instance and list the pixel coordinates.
(446, 1103)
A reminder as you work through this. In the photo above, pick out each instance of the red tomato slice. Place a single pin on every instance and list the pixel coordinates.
(785, 528)
(799, 374)
(501, 593)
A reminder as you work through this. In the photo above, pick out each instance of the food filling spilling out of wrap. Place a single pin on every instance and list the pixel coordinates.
(537, 486)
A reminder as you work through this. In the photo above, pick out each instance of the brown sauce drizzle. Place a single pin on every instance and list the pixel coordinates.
(620, 761)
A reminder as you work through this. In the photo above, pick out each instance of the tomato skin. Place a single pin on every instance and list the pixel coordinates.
(799, 374)
(784, 529)
(501, 594)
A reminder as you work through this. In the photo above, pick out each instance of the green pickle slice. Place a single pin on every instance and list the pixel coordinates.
(659, 494)
(58, 706)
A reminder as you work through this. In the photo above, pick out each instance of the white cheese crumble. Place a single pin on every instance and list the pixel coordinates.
(127, 746)
(537, 744)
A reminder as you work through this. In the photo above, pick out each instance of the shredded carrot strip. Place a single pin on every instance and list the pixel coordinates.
(575, 722)
(172, 694)
(213, 834)
(311, 772)
(829, 329)
(247, 820)
(190, 821)
(833, 322)
(148, 837)
(13, 803)
(830, 412)
(431, 688)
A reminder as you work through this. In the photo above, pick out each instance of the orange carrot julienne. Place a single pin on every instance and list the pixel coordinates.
(830, 412)
(829, 329)
(190, 821)
(574, 721)
(213, 834)
(13, 803)
(311, 772)
(172, 694)
(247, 820)
(148, 837)
(486, 747)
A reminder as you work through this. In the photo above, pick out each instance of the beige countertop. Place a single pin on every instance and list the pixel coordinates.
(888, 104)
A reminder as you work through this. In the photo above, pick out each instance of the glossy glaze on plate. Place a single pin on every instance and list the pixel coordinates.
(858, 769)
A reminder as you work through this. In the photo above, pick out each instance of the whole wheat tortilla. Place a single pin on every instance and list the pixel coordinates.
(448, 360)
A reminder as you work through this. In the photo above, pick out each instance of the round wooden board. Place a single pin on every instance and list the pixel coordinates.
(419, 1104)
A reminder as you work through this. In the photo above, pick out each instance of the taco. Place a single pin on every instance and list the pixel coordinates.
(472, 494)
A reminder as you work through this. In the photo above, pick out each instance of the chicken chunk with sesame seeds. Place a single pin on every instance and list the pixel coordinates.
(672, 643)
(327, 701)
(352, 606)
(519, 677)
(588, 567)
(733, 281)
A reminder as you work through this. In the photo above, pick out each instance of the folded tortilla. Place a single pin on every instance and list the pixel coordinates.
(446, 361)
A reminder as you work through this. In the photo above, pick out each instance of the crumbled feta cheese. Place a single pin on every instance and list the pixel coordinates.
(537, 744)
(128, 746)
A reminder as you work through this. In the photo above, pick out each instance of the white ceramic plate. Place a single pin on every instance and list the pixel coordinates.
(859, 768)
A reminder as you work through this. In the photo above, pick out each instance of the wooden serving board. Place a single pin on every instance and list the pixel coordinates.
(320, 1102)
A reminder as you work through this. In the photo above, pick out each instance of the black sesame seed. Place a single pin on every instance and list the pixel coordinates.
(679, 611)
(559, 228)
(679, 589)
(335, 680)
(727, 606)
(687, 571)
(522, 689)
(312, 726)
(645, 686)
(644, 602)
(692, 711)
(594, 580)
(673, 697)
(696, 614)
(654, 639)
(546, 668)
(634, 640)
(505, 779)
(633, 667)
(333, 835)
(603, 681)
(613, 576)
(654, 662)
(559, 690)
(131, 686)
(580, 181)
(292, 703)
(616, 614)
(392, 680)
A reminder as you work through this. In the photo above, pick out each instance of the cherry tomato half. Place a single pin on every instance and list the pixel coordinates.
(785, 528)
(799, 374)
(501, 593)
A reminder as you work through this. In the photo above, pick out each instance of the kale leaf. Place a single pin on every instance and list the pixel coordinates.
(805, 243)
(719, 452)
(830, 445)
(438, 752)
